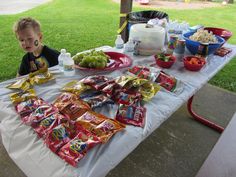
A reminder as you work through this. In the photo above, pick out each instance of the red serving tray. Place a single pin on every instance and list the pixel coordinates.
(117, 61)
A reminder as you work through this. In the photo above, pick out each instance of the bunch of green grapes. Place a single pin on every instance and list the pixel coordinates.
(93, 59)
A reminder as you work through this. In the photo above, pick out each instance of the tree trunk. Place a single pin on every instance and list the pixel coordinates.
(231, 1)
(125, 8)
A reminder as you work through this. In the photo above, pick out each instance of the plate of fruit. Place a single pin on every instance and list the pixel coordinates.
(101, 61)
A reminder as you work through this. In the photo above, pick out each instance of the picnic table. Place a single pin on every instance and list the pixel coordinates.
(36, 160)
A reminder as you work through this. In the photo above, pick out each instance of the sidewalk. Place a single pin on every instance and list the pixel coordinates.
(177, 148)
(17, 6)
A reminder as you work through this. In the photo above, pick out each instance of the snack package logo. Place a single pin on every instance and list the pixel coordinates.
(59, 133)
(89, 117)
(77, 145)
(106, 126)
(47, 121)
(137, 114)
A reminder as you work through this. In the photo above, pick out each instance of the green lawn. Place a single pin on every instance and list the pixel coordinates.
(85, 24)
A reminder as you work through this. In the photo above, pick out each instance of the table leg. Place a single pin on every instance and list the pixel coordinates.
(201, 119)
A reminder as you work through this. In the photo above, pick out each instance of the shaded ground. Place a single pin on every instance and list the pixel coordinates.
(176, 4)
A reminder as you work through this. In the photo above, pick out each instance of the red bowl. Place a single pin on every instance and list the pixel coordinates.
(165, 64)
(224, 33)
(193, 63)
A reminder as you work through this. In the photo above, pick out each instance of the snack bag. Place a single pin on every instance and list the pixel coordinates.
(22, 96)
(105, 130)
(125, 80)
(131, 114)
(90, 120)
(111, 89)
(42, 111)
(64, 99)
(148, 90)
(127, 98)
(75, 109)
(59, 136)
(223, 51)
(22, 84)
(166, 81)
(77, 148)
(96, 82)
(49, 123)
(76, 87)
(40, 76)
(25, 108)
(98, 100)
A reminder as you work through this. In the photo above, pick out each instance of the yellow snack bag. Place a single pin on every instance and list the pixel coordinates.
(41, 76)
(22, 96)
(22, 84)
(75, 87)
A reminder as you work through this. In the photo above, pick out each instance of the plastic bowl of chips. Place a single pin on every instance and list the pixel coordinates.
(193, 63)
(224, 33)
(192, 45)
(165, 60)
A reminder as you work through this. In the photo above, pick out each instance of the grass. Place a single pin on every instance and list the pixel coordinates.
(80, 25)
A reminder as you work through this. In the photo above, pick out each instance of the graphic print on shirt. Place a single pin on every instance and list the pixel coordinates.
(41, 63)
(33, 66)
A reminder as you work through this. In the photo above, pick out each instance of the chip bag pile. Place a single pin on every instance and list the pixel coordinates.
(163, 79)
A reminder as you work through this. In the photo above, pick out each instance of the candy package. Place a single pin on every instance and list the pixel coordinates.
(127, 98)
(166, 81)
(25, 108)
(144, 72)
(97, 82)
(75, 109)
(90, 120)
(48, 123)
(21, 84)
(59, 136)
(105, 130)
(64, 99)
(76, 87)
(40, 76)
(111, 89)
(98, 100)
(42, 111)
(223, 51)
(77, 148)
(22, 96)
(131, 114)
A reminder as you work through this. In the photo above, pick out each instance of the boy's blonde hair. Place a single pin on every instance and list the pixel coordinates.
(27, 22)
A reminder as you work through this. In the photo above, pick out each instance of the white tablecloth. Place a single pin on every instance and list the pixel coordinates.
(36, 160)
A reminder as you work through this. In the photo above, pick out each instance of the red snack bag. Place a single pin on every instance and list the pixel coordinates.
(166, 81)
(98, 100)
(64, 99)
(137, 69)
(96, 82)
(75, 109)
(90, 120)
(77, 148)
(59, 136)
(39, 113)
(222, 51)
(25, 108)
(105, 130)
(49, 123)
(127, 98)
(131, 114)
(110, 89)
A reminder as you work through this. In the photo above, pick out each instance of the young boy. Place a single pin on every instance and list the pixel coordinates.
(38, 56)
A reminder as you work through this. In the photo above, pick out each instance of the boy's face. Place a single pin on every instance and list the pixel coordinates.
(29, 39)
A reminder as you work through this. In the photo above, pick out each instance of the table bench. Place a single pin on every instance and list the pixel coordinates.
(221, 160)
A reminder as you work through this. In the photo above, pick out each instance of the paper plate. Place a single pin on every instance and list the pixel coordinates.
(117, 61)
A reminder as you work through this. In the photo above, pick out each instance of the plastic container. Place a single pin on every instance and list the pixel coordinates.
(129, 46)
(61, 58)
(152, 38)
(68, 65)
(119, 43)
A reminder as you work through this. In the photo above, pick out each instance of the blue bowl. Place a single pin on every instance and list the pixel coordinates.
(192, 46)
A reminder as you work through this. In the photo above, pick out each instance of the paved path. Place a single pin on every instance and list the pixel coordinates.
(17, 6)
